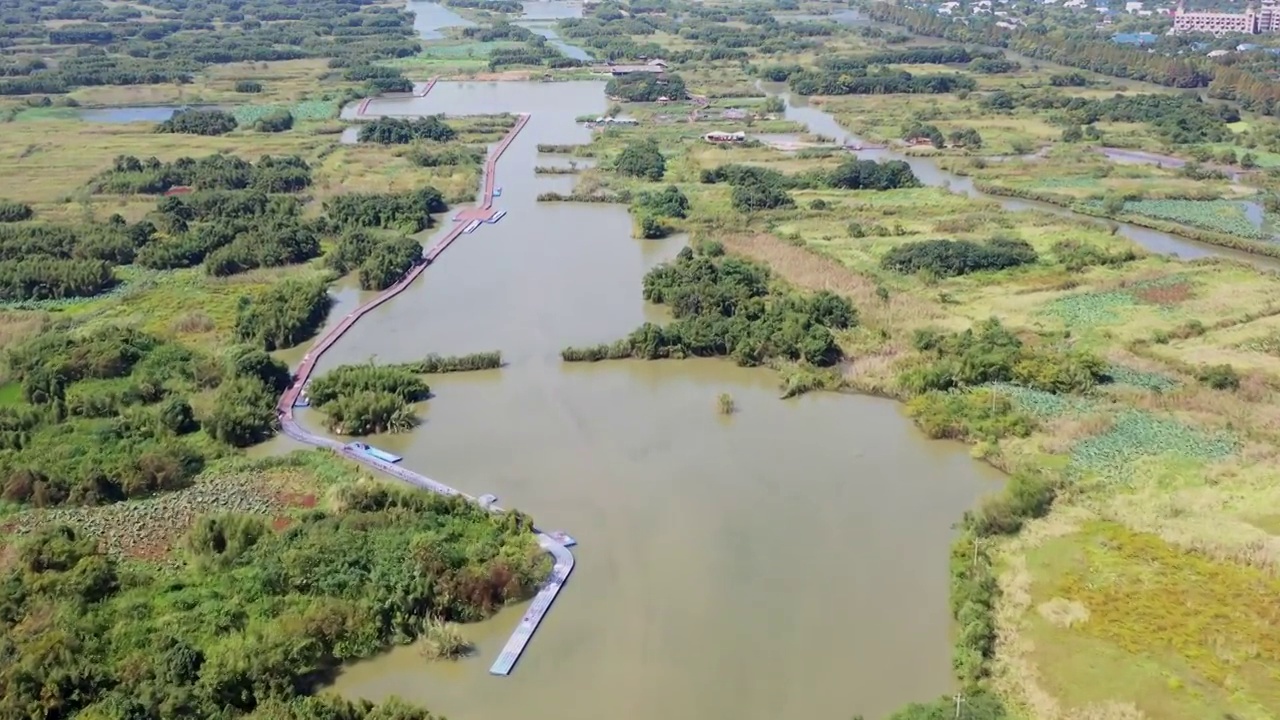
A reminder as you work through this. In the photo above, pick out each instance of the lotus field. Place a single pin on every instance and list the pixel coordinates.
(305, 110)
(1039, 403)
(1224, 216)
(1155, 382)
(1136, 434)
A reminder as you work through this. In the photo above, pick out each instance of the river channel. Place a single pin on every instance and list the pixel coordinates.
(789, 560)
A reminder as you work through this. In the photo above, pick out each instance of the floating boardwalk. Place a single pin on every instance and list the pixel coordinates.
(417, 93)
(554, 543)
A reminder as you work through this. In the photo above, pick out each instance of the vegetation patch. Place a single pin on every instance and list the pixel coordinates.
(253, 615)
(1042, 404)
(1225, 216)
(725, 307)
(1136, 434)
(1156, 602)
(1090, 309)
(1153, 381)
(249, 115)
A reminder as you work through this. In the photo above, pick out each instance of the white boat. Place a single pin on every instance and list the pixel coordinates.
(498, 216)
(497, 192)
(471, 227)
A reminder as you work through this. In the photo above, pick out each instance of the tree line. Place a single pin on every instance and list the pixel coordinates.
(271, 174)
(399, 131)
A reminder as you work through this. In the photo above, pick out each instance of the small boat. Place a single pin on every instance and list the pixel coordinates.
(497, 216)
(471, 227)
(497, 192)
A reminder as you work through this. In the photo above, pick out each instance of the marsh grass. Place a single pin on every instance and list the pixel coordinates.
(441, 640)
(725, 404)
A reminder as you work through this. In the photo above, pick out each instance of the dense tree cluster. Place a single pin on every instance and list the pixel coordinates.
(512, 7)
(725, 307)
(1179, 118)
(251, 616)
(399, 131)
(536, 51)
(199, 122)
(872, 175)
(381, 260)
(274, 121)
(366, 399)
(877, 82)
(992, 353)
(756, 188)
(284, 315)
(641, 159)
(406, 212)
(271, 174)
(646, 87)
(50, 262)
(105, 417)
(948, 258)
(669, 202)
(115, 46)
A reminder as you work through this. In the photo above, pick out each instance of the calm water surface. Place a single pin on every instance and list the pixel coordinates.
(788, 560)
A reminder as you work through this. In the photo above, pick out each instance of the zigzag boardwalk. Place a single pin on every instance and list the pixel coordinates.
(289, 426)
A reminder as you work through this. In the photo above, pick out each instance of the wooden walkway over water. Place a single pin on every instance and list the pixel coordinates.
(563, 559)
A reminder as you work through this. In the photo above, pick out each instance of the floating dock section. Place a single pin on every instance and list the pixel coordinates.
(496, 217)
(515, 646)
(375, 453)
(563, 564)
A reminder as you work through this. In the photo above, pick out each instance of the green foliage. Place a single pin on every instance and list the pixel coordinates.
(1076, 256)
(1136, 434)
(1219, 377)
(244, 627)
(871, 175)
(271, 174)
(249, 115)
(433, 364)
(646, 87)
(276, 121)
(199, 122)
(1089, 309)
(248, 86)
(652, 228)
(283, 315)
(990, 353)
(399, 131)
(389, 261)
(448, 157)
(949, 258)
(670, 202)
(243, 413)
(107, 418)
(11, 211)
(969, 415)
(1155, 382)
(641, 159)
(1224, 216)
(886, 82)
(724, 307)
(407, 212)
(366, 399)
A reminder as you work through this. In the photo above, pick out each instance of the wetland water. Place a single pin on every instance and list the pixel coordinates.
(788, 560)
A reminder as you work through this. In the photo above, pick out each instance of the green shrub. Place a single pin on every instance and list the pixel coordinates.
(974, 415)
(949, 258)
(1219, 377)
(248, 86)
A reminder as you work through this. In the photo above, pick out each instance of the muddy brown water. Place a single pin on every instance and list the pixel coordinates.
(790, 559)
